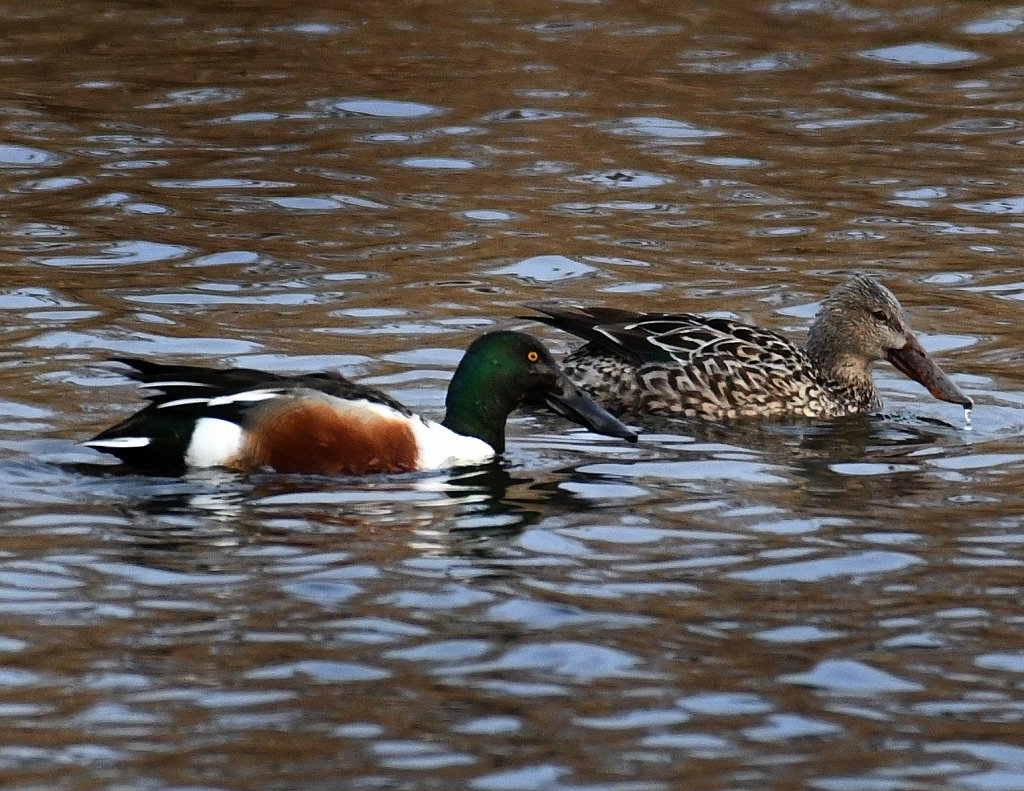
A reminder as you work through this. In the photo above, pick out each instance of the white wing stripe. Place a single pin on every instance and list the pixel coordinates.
(183, 402)
(119, 442)
(233, 398)
(248, 395)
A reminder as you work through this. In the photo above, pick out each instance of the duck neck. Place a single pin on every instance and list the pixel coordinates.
(844, 373)
(858, 394)
(474, 408)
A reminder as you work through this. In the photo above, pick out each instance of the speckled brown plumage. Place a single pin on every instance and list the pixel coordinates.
(700, 366)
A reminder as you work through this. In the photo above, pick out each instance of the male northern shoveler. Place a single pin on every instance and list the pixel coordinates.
(699, 366)
(322, 423)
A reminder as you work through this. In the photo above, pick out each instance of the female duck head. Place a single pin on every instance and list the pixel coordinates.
(861, 321)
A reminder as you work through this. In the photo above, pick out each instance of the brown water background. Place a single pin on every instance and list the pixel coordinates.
(368, 186)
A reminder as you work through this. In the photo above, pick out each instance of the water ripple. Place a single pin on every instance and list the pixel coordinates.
(660, 128)
(545, 269)
(14, 156)
(628, 179)
(821, 569)
(580, 662)
(846, 676)
(921, 54)
(127, 253)
(378, 108)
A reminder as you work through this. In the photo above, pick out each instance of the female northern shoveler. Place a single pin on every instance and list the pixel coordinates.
(698, 366)
(323, 423)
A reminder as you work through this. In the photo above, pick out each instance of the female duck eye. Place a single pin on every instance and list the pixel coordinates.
(879, 315)
(532, 356)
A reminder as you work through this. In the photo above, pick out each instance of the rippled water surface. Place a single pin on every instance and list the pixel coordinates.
(368, 186)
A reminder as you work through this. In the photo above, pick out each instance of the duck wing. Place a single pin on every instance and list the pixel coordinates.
(165, 384)
(683, 339)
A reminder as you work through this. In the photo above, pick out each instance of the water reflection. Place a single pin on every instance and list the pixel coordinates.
(307, 186)
(921, 54)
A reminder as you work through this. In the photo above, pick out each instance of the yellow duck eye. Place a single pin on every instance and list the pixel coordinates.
(532, 356)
